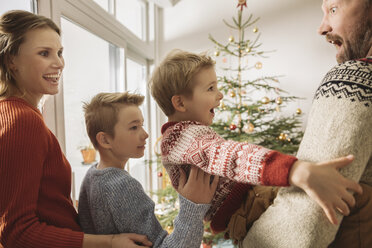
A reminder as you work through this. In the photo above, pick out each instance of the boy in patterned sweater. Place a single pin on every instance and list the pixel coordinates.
(185, 87)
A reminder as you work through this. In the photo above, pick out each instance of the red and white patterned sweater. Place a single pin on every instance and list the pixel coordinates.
(238, 164)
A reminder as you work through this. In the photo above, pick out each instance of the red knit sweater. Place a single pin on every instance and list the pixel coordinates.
(35, 182)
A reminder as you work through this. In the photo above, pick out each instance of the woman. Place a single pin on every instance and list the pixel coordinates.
(35, 178)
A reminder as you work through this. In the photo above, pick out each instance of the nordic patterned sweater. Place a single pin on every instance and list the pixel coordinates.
(111, 202)
(340, 123)
(238, 164)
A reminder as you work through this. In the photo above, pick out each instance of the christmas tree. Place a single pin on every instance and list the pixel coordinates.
(251, 108)
(244, 115)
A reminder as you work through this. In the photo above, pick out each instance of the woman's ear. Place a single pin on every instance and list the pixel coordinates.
(178, 103)
(103, 140)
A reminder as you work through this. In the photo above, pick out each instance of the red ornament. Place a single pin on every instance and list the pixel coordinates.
(232, 126)
(241, 4)
(160, 174)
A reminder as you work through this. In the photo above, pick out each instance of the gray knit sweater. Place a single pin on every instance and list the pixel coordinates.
(111, 202)
(340, 123)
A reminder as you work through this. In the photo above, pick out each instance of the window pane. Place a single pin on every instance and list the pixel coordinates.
(136, 82)
(86, 73)
(15, 4)
(131, 14)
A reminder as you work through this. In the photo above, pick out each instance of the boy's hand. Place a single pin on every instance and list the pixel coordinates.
(130, 240)
(324, 184)
(198, 187)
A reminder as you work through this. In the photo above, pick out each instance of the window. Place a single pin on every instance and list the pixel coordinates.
(18, 4)
(131, 13)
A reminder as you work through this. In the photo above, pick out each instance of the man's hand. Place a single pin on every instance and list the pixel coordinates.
(324, 184)
(198, 187)
(130, 240)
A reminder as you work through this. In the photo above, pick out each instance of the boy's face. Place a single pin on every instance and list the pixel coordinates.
(205, 97)
(130, 137)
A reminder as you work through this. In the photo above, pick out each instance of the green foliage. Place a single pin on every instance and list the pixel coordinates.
(243, 117)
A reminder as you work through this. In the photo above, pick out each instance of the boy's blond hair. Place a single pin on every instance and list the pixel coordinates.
(174, 77)
(101, 113)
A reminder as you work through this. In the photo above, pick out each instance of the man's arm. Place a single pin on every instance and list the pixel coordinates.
(340, 123)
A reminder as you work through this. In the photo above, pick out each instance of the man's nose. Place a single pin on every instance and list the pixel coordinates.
(324, 27)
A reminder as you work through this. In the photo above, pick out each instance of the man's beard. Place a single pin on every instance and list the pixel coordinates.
(359, 43)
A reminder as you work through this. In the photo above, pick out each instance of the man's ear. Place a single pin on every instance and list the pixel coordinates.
(103, 140)
(178, 104)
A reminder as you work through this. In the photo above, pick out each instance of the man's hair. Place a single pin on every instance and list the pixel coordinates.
(14, 25)
(174, 77)
(101, 113)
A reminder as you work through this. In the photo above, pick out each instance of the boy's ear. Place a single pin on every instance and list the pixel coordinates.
(103, 140)
(177, 102)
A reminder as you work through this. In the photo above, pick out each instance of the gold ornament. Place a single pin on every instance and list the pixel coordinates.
(282, 136)
(255, 30)
(222, 105)
(248, 128)
(169, 229)
(217, 53)
(277, 109)
(289, 140)
(248, 49)
(258, 65)
(265, 100)
(231, 38)
(279, 100)
(232, 94)
(298, 111)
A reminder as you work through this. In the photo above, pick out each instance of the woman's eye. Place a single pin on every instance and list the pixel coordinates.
(333, 10)
(134, 128)
(59, 53)
(44, 53)
(211, 88)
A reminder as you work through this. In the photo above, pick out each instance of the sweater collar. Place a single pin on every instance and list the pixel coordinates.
(172, 123)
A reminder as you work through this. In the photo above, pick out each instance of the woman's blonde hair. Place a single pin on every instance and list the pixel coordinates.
(14, 25)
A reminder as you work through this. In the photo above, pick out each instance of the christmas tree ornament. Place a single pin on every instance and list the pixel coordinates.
(258, 65)
(248, 128)
(160, 174)
(279, 100)
(265, 100)
(224, 60)
(232, 126)
(231, 38)
(248, 50)
(255, 30)
(298, 111)
(169, 229)
(282, 136)
(225, 128)
(277, 109)
(241, 4)
(232, 94)
(289, 140)
(217, 53)
(243, 92)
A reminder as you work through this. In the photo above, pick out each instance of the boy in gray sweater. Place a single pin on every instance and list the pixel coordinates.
(111, 201)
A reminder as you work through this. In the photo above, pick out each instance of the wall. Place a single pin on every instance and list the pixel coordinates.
(287, 26)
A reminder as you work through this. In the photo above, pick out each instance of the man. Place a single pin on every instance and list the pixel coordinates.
(340, 123)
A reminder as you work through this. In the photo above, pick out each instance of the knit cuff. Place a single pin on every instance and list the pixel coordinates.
(276, 169)
(191, 210)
